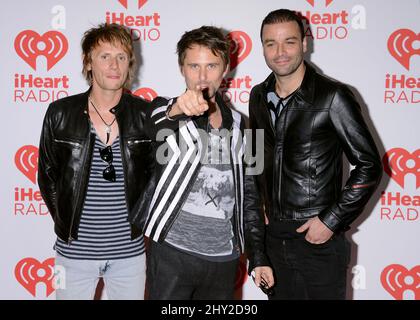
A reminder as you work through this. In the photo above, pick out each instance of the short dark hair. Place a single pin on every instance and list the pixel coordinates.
(111, 33)
(283, 15)
(206, 36)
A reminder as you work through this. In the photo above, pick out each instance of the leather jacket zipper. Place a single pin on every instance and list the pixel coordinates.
(75, 144)
(137, 141)
(70, 238)
(361, 186)
(130, 142)
(281, 158)
(124, 165)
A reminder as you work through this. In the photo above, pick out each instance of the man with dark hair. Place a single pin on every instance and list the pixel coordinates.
(283, 15)
(93, 165)
(201, 208)
(309, 121)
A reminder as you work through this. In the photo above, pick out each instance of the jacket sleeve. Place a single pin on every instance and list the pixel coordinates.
(158, 127)
(157, 120)
(253, 222)
(47, 166)
(361, 152)
(259, 178)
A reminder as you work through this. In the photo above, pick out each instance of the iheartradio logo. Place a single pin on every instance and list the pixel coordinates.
(398, 162)
(29, 45)
(312, 2)
(29, 272)
(26, 160)
(146, 93)
(400, 46)
(241, 45)
(140, 3)
(398, 281)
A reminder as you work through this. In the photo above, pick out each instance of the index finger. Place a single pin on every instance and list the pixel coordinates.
(198, 89)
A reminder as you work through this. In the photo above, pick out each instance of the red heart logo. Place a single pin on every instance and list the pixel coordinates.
(396, 279)
(141, 3)
(312, 2)
(52, 45)
(29, 272)
(146, 93)
(240, 48)
(26, 160)
(400, 46)
(396, 164)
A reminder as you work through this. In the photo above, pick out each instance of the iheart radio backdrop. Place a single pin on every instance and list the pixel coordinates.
(372, 45)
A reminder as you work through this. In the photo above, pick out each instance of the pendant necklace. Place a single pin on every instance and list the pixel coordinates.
(107, 126)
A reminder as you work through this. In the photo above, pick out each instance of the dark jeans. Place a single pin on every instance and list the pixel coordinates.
(175, 275)
(308, 271)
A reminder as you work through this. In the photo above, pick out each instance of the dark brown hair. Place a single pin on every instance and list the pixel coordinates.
(283, 15)
(206, 36)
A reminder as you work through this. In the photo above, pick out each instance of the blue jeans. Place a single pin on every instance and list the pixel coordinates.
(124, 279)
(176, 275)
(309, 271)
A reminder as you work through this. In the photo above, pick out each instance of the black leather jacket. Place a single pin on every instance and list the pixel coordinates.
(65, 155)
(302, 175)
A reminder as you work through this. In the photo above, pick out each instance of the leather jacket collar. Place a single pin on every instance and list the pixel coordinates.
(83, 102)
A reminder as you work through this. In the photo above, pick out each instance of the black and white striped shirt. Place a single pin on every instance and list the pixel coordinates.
(104, 232)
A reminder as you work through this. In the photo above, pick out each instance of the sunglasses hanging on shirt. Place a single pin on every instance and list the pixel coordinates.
(109, 172)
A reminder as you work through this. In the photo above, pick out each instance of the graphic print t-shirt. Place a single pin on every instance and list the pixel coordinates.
(204, 227)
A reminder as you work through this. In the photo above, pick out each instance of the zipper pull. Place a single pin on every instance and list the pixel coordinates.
(69, 240)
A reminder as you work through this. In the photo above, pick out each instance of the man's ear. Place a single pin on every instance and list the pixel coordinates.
(305, 45)
(88, 65)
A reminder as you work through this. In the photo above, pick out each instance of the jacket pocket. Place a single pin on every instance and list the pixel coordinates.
(67, 151)
(138, 145)
(137, 142)
(139, 150)
(68, 142)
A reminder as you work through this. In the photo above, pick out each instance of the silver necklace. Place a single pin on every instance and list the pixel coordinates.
(107, 126)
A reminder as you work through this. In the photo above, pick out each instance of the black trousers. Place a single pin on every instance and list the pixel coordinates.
(308, 271)
(174, 275)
